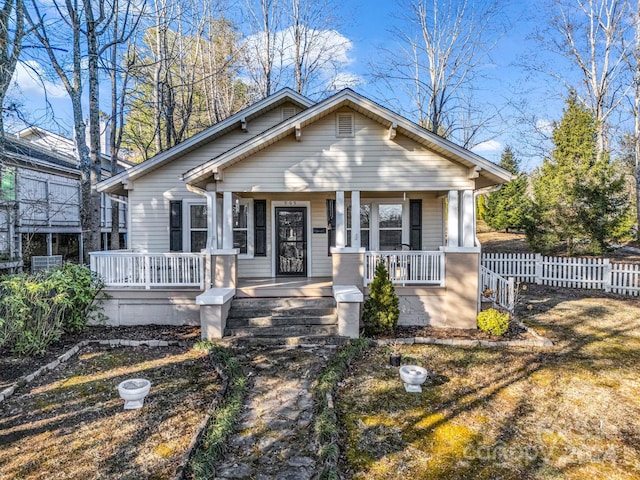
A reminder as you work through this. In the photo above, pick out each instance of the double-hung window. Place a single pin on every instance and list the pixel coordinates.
(365, 225)
(243, 226)
(197, 228)
(390, 226)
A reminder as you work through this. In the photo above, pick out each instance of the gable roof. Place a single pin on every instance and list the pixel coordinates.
(361, 104)
(29, 154)
(117, 182)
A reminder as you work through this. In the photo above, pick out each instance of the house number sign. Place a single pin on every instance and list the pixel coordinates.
(291, 203)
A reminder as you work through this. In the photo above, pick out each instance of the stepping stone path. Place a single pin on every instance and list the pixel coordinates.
(274, 438)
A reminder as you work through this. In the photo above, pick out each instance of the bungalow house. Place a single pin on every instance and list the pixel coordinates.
(291, 198)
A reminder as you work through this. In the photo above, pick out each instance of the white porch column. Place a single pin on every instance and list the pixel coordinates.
(355, 219)
(452, 219)
(227, 220)
(340, 240)
(212, 220)
(467, 217)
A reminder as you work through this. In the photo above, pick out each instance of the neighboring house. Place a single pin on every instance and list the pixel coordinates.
(40, 200)
(269, 193)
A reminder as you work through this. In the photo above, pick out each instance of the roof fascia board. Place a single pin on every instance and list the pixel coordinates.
(237, 117)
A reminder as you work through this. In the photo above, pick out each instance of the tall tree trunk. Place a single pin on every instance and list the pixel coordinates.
(636, 115)
(93, 203)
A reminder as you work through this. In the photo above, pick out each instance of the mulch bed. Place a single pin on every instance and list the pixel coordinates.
(12, 367)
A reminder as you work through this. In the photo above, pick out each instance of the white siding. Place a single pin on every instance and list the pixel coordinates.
(432, 221)
(367, 162)
(149, 200)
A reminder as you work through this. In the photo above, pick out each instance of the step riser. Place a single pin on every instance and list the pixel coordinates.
(268, 321)
(283, 303)
(289, 331)
(289, 313)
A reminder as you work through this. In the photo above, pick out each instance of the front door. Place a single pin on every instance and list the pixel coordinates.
(291, 238)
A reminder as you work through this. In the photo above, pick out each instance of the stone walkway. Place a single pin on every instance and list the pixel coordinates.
(274, 439)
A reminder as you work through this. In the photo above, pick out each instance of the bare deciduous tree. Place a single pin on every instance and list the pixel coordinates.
(589, 35)
(87, 22)
(441, 49)
(11, 34)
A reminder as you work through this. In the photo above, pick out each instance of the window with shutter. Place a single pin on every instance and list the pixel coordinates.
(345, 125)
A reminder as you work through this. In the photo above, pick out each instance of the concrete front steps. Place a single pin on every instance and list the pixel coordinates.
(278, 318)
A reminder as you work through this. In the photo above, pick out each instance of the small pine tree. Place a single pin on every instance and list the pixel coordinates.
(381, 311)
(579, 201)
(505, 208)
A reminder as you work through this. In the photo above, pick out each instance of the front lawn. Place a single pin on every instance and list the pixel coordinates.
(571, 412)
(70, 423)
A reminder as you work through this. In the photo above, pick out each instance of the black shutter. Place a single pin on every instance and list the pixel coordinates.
(331, 225)
(415, 224)
(260, 228)
(175, 225)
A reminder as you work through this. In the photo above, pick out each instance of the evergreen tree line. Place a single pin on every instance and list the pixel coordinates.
(576, 202)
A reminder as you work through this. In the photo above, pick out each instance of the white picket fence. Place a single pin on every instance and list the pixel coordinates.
(591, 273)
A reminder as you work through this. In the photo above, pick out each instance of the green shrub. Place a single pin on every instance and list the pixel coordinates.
(493, 322)
(380, 311)
(36, 308)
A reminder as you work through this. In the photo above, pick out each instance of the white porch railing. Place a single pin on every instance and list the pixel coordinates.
(407, 267)
(498, 289)
(129, 269)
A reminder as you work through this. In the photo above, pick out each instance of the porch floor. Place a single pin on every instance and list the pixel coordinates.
(284, 287)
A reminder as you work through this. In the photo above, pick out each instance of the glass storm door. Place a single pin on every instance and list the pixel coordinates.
(291, 236)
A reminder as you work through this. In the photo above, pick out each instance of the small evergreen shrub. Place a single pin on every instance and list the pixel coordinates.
(380, 311)
(36, 308)
(493, 322)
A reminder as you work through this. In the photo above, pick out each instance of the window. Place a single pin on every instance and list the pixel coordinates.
(242, 219)
(365, 225)
(7, 183)
(345, 126)
(390, 226)
(197, 227)
(384, 224)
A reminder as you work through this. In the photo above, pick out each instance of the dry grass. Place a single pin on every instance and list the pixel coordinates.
(571, 413)
(70, 424)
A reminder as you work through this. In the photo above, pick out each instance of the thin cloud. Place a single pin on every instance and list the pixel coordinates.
(29, 80)
(490, 146)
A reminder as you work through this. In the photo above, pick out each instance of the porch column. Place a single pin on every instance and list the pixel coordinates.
(467, 219)
(355, 219)
(340, 240)
(452, 219)
(227, 219)
(212, 220)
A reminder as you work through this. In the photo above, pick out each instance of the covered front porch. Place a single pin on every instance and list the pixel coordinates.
(302, 245)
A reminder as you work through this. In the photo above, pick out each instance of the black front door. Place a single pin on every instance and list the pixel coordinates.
(291, 236)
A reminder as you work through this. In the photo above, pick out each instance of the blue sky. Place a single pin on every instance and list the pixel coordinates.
(367, 26)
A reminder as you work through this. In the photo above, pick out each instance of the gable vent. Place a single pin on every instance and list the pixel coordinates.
(345, 125)
(288, 112)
